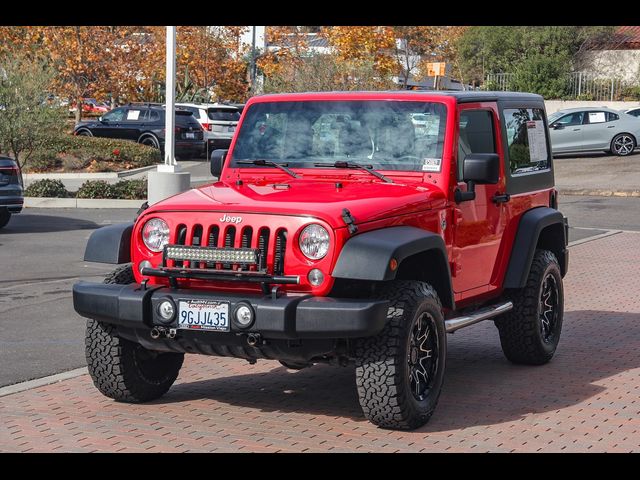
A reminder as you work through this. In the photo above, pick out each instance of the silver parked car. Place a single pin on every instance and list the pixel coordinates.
(593, 129)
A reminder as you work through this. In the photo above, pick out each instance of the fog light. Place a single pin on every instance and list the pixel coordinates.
(316, 277)
(144, 264)
(243, 315)
(166, 310)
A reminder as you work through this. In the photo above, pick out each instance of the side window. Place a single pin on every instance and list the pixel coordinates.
(476, 135)
(571, 119)
(115, 115)
(153, 116)
(597, 117)
(612, 116)
(635, 113)
(526, 140)
(134, 115)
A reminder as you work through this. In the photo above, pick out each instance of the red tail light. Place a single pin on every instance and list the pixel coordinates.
(206, 127)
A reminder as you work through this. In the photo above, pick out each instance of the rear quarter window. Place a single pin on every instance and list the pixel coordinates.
(526, 140)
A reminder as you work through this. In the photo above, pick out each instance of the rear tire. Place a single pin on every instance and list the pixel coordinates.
(5, 216)
(400, 371)
(84, 133)
(529, 334)
(623, 144)
(124, 370)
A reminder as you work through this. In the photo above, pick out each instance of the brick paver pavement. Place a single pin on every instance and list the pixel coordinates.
(586, 399)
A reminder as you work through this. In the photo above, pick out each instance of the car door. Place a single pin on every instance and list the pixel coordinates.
(567, 132)
(479, 224)
(109, 123)
(598, 129)
(133, 123)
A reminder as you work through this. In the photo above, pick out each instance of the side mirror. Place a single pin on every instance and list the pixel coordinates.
(217, 162)
(557, 126)
(480, 168)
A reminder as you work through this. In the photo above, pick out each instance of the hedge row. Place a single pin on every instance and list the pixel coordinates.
(124, 189)
(69, 153)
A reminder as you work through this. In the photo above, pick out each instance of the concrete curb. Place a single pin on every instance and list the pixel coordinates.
(86, 176)
(41, 202)
(599, 193)
(39, 382)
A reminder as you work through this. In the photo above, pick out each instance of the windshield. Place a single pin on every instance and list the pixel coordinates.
(554, 116)
(224, 114)
(387, 135)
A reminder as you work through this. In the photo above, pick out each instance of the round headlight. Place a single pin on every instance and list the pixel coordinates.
(314, 241)
(155, 234)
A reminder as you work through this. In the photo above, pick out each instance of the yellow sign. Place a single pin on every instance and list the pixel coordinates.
(436, 69)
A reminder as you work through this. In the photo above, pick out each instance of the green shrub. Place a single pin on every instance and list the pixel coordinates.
(46, 188)
(124, 189)
(131, 189)
(69, 153)
(95, 189)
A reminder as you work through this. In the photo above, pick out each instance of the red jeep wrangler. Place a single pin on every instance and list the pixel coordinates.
(345, 228)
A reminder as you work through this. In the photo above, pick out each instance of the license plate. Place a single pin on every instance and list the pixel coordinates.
(189, 135)
(203, 315)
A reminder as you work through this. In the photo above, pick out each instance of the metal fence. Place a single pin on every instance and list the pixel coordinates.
(591, 86)
(580, 86)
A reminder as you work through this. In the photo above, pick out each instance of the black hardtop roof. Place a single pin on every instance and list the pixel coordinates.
(462, 96)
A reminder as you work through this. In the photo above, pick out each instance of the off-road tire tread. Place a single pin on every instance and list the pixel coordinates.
(381, 390)
(519, 328)
(112, 363)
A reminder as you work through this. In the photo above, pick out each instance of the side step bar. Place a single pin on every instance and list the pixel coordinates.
(457, 323)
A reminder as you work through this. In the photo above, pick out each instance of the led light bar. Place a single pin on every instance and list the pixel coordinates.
(244, 256)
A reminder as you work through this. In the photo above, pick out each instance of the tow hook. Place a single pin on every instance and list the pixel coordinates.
(158, 332)
(254, 339)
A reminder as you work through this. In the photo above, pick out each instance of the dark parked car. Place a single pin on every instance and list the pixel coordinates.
(145, 123)
(11, 191)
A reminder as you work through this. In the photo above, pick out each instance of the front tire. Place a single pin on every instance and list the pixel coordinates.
(5, 216)
(400, 371)
(529, 334)
(623, 144)
(124, 370)
(150, 141)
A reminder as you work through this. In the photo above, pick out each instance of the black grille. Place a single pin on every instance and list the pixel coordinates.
(278, 258)
(234, 237)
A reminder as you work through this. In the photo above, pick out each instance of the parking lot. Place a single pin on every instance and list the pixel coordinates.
(586, 399)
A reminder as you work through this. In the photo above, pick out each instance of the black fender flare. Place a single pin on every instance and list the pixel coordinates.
(110, 244)
(367, 256)
(530, 226)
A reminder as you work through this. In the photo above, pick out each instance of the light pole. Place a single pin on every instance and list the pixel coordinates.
(168, 180)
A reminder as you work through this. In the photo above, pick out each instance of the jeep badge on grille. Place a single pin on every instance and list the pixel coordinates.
(227, 219)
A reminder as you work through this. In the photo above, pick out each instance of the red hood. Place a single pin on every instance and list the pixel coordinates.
(366, 200)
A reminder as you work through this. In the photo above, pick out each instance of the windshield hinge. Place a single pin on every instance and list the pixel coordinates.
(349, 220)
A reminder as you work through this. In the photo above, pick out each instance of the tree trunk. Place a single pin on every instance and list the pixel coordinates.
(78, 108)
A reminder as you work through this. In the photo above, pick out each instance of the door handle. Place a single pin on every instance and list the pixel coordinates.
(501, 198)
(576, 129)
(611, 126)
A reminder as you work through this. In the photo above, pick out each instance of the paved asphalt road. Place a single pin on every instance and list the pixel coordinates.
(41, 257)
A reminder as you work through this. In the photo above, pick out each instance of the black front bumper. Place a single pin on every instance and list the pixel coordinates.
(284, 317)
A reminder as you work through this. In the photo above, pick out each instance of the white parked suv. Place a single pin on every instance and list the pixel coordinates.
(218, 121)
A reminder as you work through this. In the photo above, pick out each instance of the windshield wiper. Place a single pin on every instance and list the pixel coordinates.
(366, 168)
(268, 163)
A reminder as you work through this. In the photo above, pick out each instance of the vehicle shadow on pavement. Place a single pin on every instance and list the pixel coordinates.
(26, 223)
(481, 386)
